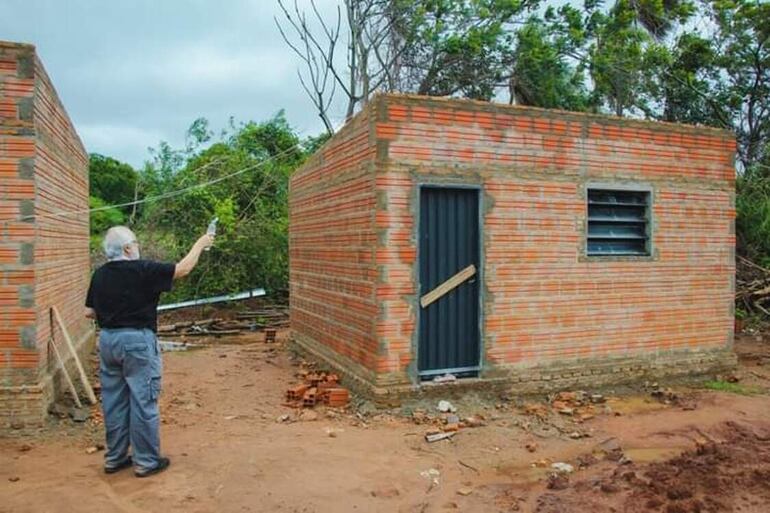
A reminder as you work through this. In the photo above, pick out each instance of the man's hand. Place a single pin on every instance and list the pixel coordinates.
(188, 263)
(206, 241)
(90, 313)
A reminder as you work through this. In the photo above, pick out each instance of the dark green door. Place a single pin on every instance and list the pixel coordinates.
(449, 243)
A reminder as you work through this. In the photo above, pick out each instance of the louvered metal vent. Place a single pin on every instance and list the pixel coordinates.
(618, 222)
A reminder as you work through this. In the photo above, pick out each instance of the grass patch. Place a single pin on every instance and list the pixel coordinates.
(733, 388)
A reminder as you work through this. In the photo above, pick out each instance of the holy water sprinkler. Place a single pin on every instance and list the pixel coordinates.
(212, 229)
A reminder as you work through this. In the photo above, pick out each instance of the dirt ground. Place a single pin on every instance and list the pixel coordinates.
(235, 448)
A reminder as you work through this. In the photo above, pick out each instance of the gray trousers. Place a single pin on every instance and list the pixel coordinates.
(130, 369)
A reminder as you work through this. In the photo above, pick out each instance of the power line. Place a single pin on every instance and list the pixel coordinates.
(150, 199)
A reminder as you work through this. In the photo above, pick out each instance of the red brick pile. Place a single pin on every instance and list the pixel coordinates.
(318, 388)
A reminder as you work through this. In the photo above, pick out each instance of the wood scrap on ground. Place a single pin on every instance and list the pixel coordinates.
(218, 327)
(752, 286)
(275, 316)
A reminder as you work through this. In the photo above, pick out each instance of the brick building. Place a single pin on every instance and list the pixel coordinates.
(44, 259)
(585, 249)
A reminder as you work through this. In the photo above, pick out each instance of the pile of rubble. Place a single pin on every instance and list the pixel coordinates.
(447, 424)
(578, 404)
(317, 388)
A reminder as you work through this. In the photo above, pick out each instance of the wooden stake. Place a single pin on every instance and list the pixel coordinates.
(66, 374)
(449, 285)
(83, 377)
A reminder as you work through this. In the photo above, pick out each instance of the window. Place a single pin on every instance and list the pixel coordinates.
(618, 222)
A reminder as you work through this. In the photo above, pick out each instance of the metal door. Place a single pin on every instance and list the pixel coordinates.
(449, 243)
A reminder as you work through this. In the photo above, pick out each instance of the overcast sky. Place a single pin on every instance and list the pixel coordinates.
(134, 72)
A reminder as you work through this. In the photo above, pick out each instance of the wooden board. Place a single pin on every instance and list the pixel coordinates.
(67, 377)
(449, 285)
(83, 377)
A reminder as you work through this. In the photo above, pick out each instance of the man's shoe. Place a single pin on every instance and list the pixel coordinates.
(111, 470)
(162, 465)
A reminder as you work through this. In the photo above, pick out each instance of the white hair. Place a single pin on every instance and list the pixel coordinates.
(115, 240)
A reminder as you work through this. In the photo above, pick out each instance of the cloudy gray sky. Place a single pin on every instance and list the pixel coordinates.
(134, 72)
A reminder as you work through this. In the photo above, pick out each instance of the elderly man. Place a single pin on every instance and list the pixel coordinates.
(123, 298)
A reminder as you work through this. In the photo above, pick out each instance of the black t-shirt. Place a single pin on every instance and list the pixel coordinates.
(125, 293)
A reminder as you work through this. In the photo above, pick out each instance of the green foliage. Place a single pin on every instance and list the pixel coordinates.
(742, 45)
(618, 59)
(101, 220)
(251, 248)
(459, 47)
(110, 180)
(752, 222)
(542, 75)
(688, 68)
(104, 218)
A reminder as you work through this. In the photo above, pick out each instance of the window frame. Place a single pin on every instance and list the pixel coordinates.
(650, 253)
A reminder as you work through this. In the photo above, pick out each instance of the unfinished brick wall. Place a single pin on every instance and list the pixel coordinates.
(44, 260)
(551, 314)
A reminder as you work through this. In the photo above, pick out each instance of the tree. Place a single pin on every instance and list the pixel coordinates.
(110, 180)
(433, 47)
(543, 75)
(372, 51)
(462, 47)
(617, 60)
(742, 44)
(246, 172)
(684, 83)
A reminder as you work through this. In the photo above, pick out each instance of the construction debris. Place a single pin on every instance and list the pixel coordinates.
(216, 299)
(563, 468)
(578, 404)
(558, 481)
(276, 316)
(752, 286)
(218, 327)
(318, 388)
(435, 437)
(446, 407)
(473, 421)
(168, 346)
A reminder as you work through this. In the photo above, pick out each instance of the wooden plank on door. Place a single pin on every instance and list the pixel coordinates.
(449, 285)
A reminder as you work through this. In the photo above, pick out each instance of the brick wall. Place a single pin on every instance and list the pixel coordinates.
(546, 305)
(44, 260)
(62, 264)
(332, 248)
(544, 301)
(19, 358)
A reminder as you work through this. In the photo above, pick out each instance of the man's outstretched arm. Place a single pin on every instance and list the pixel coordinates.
(188, 263)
